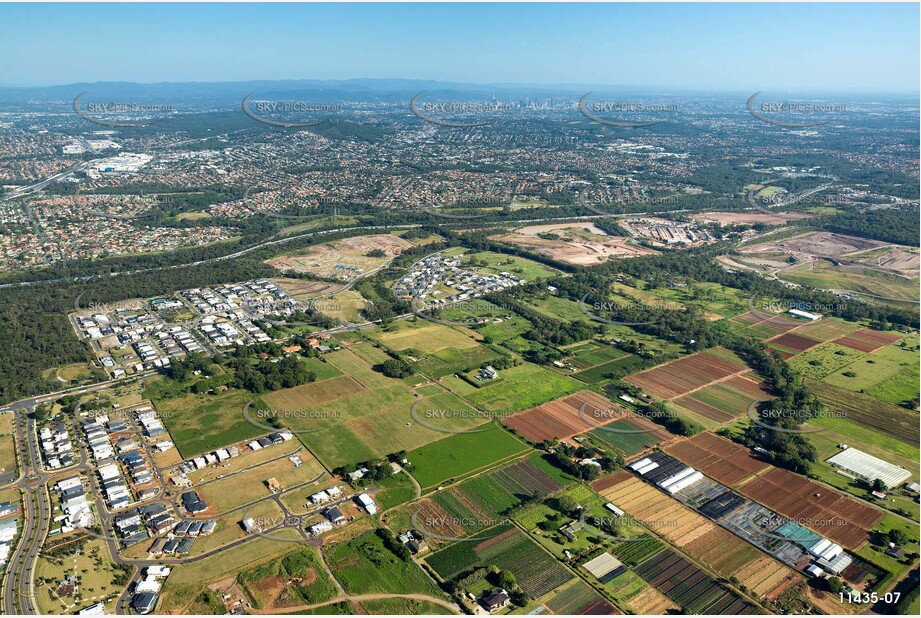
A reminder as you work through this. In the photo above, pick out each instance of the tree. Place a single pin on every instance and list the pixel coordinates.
(396, 368)
(897, 536)
(834, 585)
(568, 505)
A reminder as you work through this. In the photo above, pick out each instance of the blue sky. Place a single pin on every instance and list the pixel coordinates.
(835, 47)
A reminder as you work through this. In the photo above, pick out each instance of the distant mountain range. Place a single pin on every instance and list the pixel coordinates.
(221, 94)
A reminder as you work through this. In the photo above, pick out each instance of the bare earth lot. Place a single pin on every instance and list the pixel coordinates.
(578, 243)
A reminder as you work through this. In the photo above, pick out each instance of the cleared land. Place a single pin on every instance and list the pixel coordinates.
(345, 259)
(574, 243)
(750, 218)
(520, 388)
(561, 419)
(867, 340)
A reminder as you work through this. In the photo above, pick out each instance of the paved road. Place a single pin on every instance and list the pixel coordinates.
(18, 587)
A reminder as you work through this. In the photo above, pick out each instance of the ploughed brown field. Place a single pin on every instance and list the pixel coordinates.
(560, 418)
(718, 458)
(792, 341)
(686, 374)
(844, 521)
(867, 340)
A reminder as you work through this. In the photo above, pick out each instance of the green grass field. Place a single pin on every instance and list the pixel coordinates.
(890, 374)
(529, 270)
(363, 414)
(523, 387)
(460, 454)
(201, 423)
(364, 566)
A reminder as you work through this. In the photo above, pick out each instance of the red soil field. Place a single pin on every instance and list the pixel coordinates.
(755, 390)
(560, 419)
(792, 341)
(607, 482)
(684, 375)
(867, 340)
(717, 457)
(845, 521)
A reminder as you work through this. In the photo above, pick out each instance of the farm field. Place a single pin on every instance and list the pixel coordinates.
(297, 578)
(480, 502)
(687, 374)
(892, 421)
(697, 536)
(843, 520)
(726, 400)
(718, 458)
(793, 342)
(506, 547)
(867, 340)
(889, 374)
(632, 435)
(617, 367)
(462, 453)
(690, 587)
(764, 325)
(522, 387)
(594, 355)
(201, 423)
(364, 565)
(362, 414)
(561, 419)
(579, 599)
